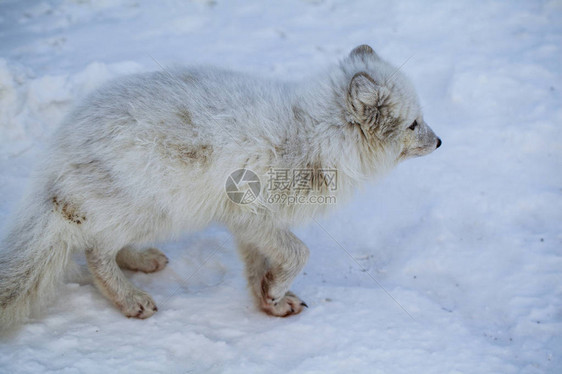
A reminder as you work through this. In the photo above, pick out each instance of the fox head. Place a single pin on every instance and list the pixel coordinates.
(382, 104)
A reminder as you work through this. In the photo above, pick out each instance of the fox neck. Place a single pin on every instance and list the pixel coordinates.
(335, 141)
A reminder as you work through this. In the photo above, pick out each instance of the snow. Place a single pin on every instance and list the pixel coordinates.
(457, 256)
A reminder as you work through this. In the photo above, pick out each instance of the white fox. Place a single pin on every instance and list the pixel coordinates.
(148, 156)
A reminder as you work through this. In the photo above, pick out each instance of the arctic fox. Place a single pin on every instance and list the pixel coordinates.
(151, 155)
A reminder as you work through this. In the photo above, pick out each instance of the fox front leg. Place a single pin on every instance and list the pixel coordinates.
(273, 257)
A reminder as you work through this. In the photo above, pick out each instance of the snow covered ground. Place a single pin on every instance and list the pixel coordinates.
(468, 241)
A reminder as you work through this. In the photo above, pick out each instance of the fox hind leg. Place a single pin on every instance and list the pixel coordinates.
(112, 283)
(147, 260)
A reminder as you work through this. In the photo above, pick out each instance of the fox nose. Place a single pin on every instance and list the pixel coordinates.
(438, 143)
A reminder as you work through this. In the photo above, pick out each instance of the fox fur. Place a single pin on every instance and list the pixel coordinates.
(146, 157)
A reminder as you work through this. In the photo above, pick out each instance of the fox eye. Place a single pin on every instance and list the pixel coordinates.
(413, 125)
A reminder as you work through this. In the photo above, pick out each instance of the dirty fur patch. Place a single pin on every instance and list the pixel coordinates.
(189, 154)
(185, 116)
(68, 211)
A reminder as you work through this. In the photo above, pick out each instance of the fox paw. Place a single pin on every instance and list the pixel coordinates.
(138, 304)
(148, 261)
(287, 305)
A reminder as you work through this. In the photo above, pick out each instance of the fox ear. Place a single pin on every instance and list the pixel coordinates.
(363, 51)
(364, 94)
